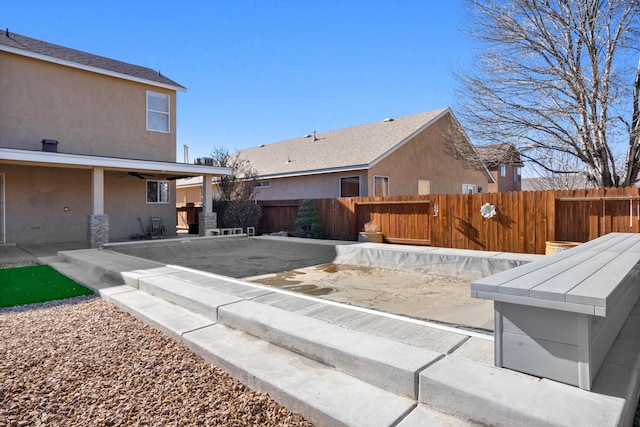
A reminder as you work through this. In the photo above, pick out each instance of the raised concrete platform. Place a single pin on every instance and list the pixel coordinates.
(341, 365)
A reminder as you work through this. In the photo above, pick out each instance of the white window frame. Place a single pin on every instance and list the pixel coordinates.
(467, 187)
(347, 177)
(375, 187)
(159, 112)
(265, 183)
(159, 192)
(503, 170)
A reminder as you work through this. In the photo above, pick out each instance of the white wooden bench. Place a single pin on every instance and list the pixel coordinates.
(557, 317)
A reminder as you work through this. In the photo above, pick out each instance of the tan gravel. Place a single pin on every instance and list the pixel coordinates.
(84, 362)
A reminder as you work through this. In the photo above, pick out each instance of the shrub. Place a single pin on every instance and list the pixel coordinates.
(308, 221)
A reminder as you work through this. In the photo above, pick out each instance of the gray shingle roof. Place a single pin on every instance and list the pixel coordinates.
(352, 148)
(17, 41)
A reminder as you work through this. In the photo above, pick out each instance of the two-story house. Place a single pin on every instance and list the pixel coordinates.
(505, 164)
(87, 146)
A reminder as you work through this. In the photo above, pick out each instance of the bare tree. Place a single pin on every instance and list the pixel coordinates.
(241, 183)
(558, 79)
(236, 207)
(546, 179)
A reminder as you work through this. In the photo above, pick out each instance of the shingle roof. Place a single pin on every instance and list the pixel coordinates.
(497, 154)
(351, 148)
(83, 59)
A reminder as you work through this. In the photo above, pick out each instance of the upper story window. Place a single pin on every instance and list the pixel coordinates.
(503, 170)
(158, 192)
(264, 183)
(350, 186)
(381, 186)
(517, 174)
(158, 111)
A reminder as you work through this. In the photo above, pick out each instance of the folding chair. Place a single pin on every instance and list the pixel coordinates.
(157, 229)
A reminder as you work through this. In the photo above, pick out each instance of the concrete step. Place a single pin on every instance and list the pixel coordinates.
(376, 360)
(323, 394)
(105, 263)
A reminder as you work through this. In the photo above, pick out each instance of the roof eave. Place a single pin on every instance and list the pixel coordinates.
(351, 168)
(97, 70)
(45, 158)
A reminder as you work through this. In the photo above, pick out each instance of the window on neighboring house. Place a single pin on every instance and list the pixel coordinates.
(424, 186)
(157, 111)
(469, 189)
(157, 191)
(350, 186)
(517, 174)
(503, 170)
(263, 184)
(381, 186)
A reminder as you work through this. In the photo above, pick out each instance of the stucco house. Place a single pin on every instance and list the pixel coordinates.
(505, 164)
(394, 156)
(87, 146)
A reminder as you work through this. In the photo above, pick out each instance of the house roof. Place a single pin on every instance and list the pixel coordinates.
(498, 154)
(26, 46)
(354, 148)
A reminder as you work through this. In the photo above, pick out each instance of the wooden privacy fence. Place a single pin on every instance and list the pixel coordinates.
(524, 222)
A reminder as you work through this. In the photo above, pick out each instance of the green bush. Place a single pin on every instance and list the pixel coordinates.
(308, 222)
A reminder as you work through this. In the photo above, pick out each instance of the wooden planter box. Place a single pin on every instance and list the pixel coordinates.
(370, 237)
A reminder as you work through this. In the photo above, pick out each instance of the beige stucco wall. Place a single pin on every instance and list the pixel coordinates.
(87, 113)
(424, 158)
(309, 187)
(36, 198)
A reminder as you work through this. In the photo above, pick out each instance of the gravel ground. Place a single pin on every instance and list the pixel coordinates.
(84, 362)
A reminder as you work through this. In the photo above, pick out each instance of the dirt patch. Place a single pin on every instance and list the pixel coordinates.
(426, 296)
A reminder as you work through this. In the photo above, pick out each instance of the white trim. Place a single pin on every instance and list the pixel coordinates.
(167, 113)
(388, 185)
(353, 168)
(146, 195)
(88, 68)
(82, 161)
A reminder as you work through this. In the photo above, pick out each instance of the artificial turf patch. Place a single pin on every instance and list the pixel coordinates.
(38, 283)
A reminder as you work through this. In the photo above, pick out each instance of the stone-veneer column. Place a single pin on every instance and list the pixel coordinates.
(98, 230)
(207, 220)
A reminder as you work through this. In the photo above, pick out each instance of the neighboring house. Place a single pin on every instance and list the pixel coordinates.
(400, 156)
(505, 164)
(87, 146)
(556, 182)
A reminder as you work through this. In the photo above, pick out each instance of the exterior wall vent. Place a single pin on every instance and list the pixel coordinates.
(50, 145)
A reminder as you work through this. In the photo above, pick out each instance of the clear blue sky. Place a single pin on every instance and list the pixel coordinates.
(261, 71)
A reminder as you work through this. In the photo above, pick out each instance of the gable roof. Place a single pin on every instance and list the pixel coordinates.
(26, 46)
(354, 148)
(497, 154)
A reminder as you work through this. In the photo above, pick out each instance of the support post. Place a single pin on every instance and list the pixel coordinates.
(208, 218)
(98, 221)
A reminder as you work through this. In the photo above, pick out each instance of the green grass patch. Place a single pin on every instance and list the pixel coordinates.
(38, 283)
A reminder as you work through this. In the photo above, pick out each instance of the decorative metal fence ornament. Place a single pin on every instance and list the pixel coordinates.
(488, 210)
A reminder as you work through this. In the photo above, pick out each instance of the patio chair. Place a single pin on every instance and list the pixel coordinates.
(156, 230)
